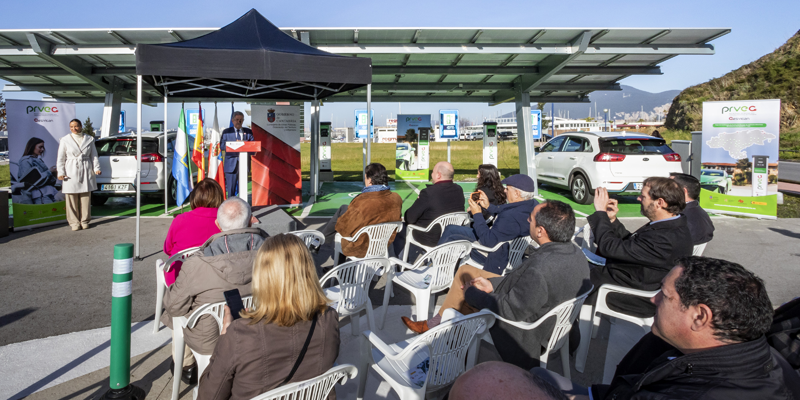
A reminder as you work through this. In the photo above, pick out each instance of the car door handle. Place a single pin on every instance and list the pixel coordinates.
(115, 159)
(573, 158)
(549, 157)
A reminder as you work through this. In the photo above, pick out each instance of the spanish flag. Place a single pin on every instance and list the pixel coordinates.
(198, 155)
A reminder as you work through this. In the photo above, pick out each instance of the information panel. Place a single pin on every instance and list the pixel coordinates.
(411, 154)
(536, 124)
(448, 124)
(363, 125)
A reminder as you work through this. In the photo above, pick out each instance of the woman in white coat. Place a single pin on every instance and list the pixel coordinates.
(77, 166)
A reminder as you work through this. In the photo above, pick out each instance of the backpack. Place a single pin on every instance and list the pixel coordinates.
(784, 334)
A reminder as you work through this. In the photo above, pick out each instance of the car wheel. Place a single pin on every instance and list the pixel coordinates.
(98, 200)
(581, 192)
(172, 187)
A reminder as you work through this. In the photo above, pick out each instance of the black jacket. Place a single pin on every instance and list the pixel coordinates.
(638, 260)
(748, 370)
(433, 202)
(555, 273)
(700, 225)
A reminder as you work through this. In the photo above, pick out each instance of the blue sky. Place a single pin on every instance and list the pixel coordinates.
(757, 29)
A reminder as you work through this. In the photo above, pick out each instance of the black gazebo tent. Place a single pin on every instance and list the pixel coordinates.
(249, 59)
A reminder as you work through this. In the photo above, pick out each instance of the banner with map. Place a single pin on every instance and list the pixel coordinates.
(738, 135)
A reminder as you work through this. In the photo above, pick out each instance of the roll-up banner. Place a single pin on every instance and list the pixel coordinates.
(740, 157)
(412, 156)
(34, 131)
(276, 168)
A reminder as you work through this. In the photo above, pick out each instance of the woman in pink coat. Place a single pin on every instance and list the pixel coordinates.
(193, 228)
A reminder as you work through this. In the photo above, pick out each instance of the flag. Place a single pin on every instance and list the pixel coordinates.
(198, 155)
(232, 111)
(215, 170)
(180, 162)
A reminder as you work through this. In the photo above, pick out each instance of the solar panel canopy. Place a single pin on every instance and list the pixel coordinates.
(415, 64)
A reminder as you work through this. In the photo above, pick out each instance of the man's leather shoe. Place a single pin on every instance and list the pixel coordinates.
(189, 374)
(418, 327)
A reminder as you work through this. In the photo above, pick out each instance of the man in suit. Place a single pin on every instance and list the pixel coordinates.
(443, 197)
(639, 260)
(699, 222)
(231, 162)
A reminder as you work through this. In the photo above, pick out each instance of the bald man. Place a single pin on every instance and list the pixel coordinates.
(443, 197)
(498, 380)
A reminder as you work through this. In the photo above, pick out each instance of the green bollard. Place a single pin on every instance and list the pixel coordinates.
(120, 374)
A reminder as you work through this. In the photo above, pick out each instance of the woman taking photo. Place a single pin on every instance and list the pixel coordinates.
(489, 183)
(43, 190)
(258, 352)
(77, 166)
(193, 228)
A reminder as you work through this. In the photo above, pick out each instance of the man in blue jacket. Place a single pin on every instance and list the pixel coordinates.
(231, 162)
(511, 222)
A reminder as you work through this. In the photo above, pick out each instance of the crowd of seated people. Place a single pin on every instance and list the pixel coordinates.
(707, 340)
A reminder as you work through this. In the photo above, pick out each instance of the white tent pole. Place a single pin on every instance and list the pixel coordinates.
(369, 121)
(138, 161)
(166, 155)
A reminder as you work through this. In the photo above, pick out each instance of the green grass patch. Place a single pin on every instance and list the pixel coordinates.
(790, 207)
(465, 157)
(5, 176)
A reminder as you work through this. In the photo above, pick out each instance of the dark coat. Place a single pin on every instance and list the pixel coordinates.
(638, 260)
(232, 159)
(749, 370)
(433, 202)
(367, 209)
(555, 273)
(700, 225)
(511, 222)
(254, 359)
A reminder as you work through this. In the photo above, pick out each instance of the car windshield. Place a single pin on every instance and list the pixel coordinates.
(712, 173)
(124, 147)
(634, 146)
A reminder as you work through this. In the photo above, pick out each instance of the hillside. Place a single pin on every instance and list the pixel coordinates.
(773, 76)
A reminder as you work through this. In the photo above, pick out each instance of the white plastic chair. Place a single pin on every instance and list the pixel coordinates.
(378, 236)
(566, 313)
(161, 283)
(450, 349)
(587, 238)
(516, 250)
(313, 389)
(216, 311)
(698, 250)
(456, 218)
(601, 307)
(439, 264)
(351, 295)
(309, 237)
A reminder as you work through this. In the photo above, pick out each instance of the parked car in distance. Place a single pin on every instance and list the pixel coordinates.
(117, 156)
(506, 135)
(716, 180)
(618, 161)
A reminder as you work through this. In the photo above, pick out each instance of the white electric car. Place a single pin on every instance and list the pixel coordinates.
(117, 156)
(618, 161)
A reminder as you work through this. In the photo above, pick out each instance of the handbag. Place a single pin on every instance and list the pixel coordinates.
(302, 352)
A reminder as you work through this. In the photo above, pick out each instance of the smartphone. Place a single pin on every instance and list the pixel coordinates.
(234, 300)
(476, 196)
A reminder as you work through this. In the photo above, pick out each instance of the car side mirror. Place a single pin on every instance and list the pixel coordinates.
(537, 148)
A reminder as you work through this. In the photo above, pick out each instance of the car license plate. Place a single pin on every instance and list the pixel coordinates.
(114, 187)
(637, 186)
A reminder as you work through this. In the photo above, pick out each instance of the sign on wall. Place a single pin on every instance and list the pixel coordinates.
(740, 157)
(34, 131)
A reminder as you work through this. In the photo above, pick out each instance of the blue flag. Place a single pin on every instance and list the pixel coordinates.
(180, 162)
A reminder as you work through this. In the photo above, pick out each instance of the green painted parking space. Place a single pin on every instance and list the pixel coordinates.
(628, 205)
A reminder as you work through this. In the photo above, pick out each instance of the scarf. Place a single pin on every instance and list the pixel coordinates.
(374, 188)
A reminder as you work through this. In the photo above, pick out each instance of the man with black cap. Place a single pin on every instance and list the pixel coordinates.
(511, 222)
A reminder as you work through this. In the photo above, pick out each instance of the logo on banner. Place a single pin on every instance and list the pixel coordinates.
(739, 109)
(271, 115)
(34, 109)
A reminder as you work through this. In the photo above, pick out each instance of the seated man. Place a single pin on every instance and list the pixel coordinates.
(639, 260)
(700, 225)
(711, 316)
(375, 205)
(511, 222)
(556, 272)
(443, 197)
(495, 380)
(226, 264)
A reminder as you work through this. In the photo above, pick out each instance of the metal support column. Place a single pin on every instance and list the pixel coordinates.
(314, 154)
(111, 110)
(370, 122)
(166, 155)
(138, 162)
(527, 163)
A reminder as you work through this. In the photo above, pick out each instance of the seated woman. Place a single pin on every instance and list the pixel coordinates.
(489, 183)
(40, 185)
(193, 228)
(257, 352)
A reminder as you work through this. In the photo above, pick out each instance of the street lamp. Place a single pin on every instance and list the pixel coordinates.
(605, 110)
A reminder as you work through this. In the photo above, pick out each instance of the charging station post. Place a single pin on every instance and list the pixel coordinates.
(490, 143)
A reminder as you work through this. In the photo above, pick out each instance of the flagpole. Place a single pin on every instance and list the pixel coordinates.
(166, 154)
(188, 158)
